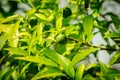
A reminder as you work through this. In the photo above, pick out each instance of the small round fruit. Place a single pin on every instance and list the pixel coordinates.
(60, 38)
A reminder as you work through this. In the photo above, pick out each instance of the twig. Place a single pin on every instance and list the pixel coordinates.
(91, 45)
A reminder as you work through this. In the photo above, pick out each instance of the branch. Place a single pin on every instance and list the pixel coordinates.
(91, 45)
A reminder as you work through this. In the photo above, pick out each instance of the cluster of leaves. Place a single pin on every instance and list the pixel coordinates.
(53, 37)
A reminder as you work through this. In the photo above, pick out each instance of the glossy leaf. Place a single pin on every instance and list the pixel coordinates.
(23, 69)
(114, 58)
(7, 75)
(79, 72)
(6, 28)
(8, 19)
(71, 71)
(38, 59)
(31, 42)
(91, 66)
(114, 34)
(82, 54)
(3, 71)
(59, 59)
(3, 40)
(48, 73)
(44, 17)
(17, 51)
(88, 26)
(88, 77)
(59, 20)
(104, 68)
(15, 33)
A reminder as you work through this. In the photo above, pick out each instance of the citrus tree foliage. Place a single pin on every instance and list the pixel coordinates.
(54, 41)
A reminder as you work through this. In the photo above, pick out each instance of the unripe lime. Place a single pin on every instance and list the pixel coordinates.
(60, 38)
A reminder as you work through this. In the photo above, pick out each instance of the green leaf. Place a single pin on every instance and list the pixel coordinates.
(6, 28)
(3, 71)
(7, 75)
(15, 34)
(51, 54)
(115, 57)
(79, 72)
(38, 59)
(88, 77)
(31, 42)
(48, 73)
(8, 19)
(104, 68)
(58, 23)
(88, 26)
(64, 62)
(23, 69)
(116, 21)
(17, 51)
(41, 16)
(114, 34)
(113, 73)
(71, 71)
(91, 66)
(44, 17)
(81, 55)
(3, 40)
(59, 59)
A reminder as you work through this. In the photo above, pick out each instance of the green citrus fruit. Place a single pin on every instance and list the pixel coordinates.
(60, 38)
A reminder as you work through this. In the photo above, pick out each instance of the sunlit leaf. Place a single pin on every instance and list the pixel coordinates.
(48, 73)
(51, 54)
(38, 59)
(15, 33)
(3, 39)
(3, 71)
(7, 75)
(59, 59)
(24, 68)
(31, 42)
(88, 77)
(114, 34)
(82, 54)
(79, 72)
(58, 20)
(17, 51)
(114, 58)
(104, 68)
(42, 16)
(91, 66)
(6, 28)
(8, 19)
(71, 71)
(39, 32)
(88, 26)
(31, 11)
